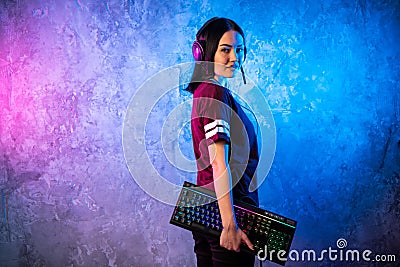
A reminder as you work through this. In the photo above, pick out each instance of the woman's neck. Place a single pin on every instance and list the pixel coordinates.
(220, 80)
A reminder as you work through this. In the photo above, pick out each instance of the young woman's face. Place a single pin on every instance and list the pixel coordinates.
(229, 55)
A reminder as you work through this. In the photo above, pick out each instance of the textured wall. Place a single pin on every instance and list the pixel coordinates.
(68, 70)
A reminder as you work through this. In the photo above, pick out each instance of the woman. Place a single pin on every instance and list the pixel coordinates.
(224, 140)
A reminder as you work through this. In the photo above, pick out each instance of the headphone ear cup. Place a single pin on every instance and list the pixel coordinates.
(198, 51)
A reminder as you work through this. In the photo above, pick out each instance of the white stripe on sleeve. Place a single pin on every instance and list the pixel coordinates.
(215, 123)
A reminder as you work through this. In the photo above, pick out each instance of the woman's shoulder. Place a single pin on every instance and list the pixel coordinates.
(211, 90)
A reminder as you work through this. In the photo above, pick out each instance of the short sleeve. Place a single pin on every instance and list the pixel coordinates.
(213, 106)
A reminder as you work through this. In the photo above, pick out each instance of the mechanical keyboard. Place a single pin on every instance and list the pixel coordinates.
(270, 233)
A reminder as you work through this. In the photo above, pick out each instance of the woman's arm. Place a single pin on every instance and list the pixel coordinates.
(231, 235)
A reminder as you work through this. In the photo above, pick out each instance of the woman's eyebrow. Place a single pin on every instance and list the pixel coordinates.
(230, 45)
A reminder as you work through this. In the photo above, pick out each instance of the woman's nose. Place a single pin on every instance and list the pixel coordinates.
(233, 55)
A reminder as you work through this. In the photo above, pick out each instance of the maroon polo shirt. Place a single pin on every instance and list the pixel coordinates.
(217, 116)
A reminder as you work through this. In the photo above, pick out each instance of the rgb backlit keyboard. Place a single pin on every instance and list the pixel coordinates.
(197, 210)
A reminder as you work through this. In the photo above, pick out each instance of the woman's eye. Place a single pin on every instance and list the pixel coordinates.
(239, 50)
(225, 50)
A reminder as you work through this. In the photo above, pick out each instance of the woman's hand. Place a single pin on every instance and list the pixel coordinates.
(232, 237)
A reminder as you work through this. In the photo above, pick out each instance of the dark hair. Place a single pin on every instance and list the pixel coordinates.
(209, 35)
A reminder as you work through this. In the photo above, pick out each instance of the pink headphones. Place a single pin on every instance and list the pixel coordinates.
(198, 50)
